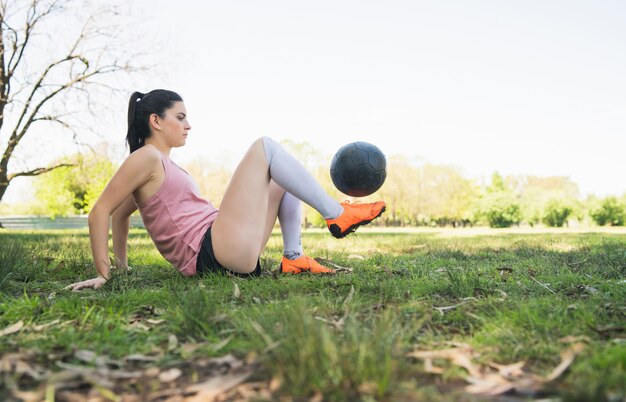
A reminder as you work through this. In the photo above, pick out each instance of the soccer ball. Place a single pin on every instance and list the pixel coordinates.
(358, 169)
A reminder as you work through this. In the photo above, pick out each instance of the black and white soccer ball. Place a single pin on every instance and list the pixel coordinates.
(358, 169)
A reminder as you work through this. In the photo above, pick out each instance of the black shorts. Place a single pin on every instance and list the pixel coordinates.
(207, 263)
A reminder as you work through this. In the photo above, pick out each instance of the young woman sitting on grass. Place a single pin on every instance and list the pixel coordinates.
(188, 230)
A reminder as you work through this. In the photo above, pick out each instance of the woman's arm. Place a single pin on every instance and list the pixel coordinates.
(120, 224)
(136, 170)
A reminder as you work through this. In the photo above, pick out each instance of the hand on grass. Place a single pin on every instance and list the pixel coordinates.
(95, 283)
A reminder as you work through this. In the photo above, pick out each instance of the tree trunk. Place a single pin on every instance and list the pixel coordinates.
(4, 184)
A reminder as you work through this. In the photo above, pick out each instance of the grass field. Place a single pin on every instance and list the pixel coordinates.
(414, 315)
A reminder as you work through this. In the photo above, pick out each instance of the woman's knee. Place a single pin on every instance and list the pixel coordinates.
(271, 148)
(243, 264)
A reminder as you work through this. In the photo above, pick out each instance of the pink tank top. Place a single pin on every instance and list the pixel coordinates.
(176, 218)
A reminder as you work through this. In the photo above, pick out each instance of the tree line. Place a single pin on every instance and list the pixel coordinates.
(417, 194)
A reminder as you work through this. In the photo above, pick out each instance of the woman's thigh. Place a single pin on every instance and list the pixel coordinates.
(240, 227)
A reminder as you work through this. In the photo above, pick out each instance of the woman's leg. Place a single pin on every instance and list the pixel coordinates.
(290, 218)
(240, 230)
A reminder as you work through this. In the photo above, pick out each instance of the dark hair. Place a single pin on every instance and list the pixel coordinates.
(140, 107)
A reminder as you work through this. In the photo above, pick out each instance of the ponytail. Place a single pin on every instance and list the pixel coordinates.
(140, 108)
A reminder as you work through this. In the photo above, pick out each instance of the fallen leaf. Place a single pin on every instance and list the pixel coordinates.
(91, 357)
(275, 384)
(485, 382)
(172, 342)
(509, 370)
(154, 322)
(170, 375)
(459, 356)
(138, 325)
(567, 357)
(337, 323)
(141, 358)
(221, 344)
(30, 396)
(574, 339)
(356, 257)
(215, 386)
(236, 291)
(41, 327)
(187, 349)
(152, 372)
(490, 384)
(229, 361)
(11, 329)
(504, 272)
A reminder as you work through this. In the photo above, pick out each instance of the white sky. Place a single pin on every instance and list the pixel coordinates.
(519, 87)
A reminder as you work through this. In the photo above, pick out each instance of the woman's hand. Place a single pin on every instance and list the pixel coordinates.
(95, 283)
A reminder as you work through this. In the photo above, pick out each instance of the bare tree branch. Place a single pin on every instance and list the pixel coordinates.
(30, 93)
(38, 171)
(18, 50)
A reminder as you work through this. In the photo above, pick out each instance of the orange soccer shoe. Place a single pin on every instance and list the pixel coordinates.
(303, 264)
(353, 216)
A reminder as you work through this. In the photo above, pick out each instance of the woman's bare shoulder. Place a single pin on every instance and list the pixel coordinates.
(145, 157)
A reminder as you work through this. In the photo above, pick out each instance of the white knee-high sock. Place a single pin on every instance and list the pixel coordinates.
(295, 179)
(290, 219)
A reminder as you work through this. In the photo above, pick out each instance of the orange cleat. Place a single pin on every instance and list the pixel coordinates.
(303, 264)
(353, 216)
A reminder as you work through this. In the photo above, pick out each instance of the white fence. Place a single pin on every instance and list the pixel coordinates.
(39, 222)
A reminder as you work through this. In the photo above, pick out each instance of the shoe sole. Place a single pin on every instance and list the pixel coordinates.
(335, 230)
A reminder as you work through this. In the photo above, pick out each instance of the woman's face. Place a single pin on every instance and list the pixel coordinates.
(174, 126)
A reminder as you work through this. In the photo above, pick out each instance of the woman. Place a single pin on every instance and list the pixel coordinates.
(188, 230)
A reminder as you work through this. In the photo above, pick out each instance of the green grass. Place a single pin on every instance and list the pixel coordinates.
(344, 336)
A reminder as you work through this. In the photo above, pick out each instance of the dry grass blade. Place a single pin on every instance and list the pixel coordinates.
(543, 285)
(443, 309)
(336, 267)
(349, 297)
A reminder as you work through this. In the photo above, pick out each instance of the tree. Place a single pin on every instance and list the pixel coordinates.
(557, 212)
(37, 91)
(609, 211)
(74, 189)
(446, 195)
(499, 205)
(536, 192)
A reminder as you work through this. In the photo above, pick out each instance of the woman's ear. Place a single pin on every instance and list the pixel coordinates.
(155, 121)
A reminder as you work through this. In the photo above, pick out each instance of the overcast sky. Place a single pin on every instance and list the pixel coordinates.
(519, 87)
